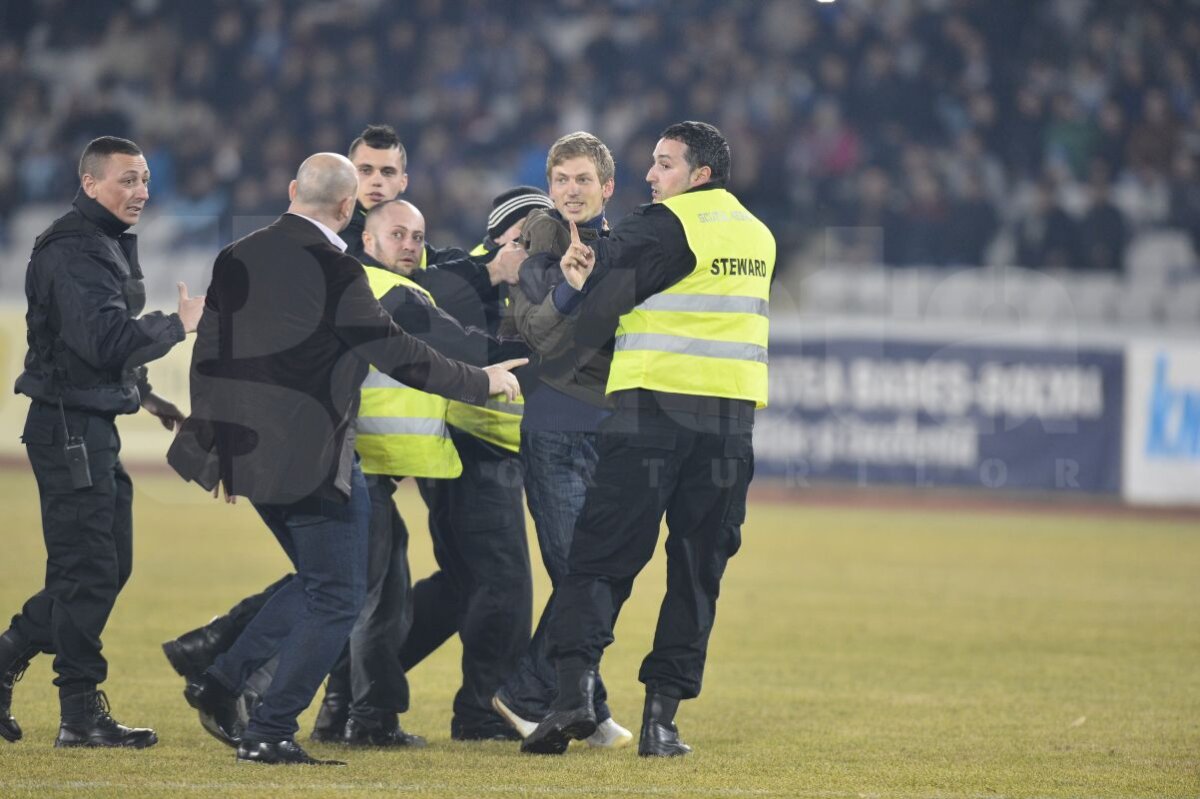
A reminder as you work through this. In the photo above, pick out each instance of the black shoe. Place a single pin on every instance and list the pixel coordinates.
(573, 715)
(279, 753)
(218, 709)
(96, 728)
(330, 726)
(193, 652)
(15, 654)
(660, 736)
(389, 734)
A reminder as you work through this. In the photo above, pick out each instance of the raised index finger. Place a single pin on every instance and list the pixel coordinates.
(575, 233)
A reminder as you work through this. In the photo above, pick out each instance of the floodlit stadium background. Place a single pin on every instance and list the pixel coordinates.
(986, 340)
(987, 213)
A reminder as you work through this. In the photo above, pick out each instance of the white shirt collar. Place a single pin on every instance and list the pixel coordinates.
(334, 238)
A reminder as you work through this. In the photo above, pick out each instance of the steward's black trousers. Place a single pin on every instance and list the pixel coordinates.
(694, 468)
(483, 589)
(89, 544)
(369, 670)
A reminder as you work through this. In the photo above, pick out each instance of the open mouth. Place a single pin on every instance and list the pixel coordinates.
(375, 197)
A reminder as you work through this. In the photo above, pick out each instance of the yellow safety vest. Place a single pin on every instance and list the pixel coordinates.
(402, 431)
(499, 421)
(707, 334)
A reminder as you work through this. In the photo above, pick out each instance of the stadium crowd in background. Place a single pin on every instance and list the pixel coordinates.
(942, 124)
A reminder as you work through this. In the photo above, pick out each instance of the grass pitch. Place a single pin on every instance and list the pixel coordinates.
(857, 653)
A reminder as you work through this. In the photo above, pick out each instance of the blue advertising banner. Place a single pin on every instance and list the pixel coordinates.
(937, 414)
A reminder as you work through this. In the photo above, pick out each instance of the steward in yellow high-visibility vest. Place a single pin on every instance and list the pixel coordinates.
(401, 432)
(483, 587)
(707, 333)
(685, 281)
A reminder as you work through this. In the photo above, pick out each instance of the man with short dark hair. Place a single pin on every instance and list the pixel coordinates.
(685, 282)
(88, 348)
(380, 161)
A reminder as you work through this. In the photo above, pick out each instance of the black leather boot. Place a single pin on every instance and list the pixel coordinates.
(218, 709)
(15, 654)
(330, 726)
(382, 731)
(193, 652)
(86, 722)
(573, 714)
(660, 736)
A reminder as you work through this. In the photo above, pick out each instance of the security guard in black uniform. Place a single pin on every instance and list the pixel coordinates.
(689, 276)
(87, 350)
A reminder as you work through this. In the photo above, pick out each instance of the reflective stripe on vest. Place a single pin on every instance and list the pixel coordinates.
(497, 422)
(402, 431)
(707, 334)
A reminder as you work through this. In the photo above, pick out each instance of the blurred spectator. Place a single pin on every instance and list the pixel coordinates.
(925, 222)
(1103, 229)
(870, 228)
(1047, 236)
(1185, 197)
(1153, 140)
(972, 224)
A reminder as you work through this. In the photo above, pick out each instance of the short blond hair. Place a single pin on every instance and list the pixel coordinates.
(582, 144)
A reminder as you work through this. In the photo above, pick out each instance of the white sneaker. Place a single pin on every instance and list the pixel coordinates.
(609, 735)
(523, 726)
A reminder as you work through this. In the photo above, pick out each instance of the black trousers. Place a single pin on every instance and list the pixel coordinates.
(89, 544)
(369, 669)
(696, 471)
(483, 589)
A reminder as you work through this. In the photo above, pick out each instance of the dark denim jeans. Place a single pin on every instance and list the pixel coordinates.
(558, 470)
(308, 620)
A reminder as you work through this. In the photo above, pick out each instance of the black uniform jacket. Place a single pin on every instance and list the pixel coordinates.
(419, 317)
(84, 288)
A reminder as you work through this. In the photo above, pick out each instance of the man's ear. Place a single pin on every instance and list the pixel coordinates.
(606, 191)
(88, 184)
(403, 183)
(701, 176)
(292, 191)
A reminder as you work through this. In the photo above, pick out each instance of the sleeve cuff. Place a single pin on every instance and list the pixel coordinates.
(566, 298)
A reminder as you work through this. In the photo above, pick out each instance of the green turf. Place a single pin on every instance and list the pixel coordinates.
(858, 653)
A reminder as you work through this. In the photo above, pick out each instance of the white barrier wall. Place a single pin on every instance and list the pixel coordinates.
(1104, 406)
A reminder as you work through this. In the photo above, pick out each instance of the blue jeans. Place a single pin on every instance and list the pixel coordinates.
(558, 470)
(307, 621)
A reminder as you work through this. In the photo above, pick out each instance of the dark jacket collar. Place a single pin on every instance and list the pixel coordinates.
(98, 215)
(712, 184)
(301, 228)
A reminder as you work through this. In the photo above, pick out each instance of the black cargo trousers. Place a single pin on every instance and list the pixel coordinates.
(695, 469)
(89, 543)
